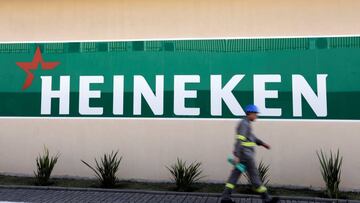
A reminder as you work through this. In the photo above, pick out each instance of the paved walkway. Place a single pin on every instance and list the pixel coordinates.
(56, 194)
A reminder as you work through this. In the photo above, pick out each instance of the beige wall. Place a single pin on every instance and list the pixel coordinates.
(148, 145)
(128, 19)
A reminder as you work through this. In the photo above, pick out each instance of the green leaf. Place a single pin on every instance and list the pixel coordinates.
(185, 175)
(106, 169)
(331, 171)
(44, 167)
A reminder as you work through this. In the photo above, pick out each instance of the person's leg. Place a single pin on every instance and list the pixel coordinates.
(256, 181)
(230, 184)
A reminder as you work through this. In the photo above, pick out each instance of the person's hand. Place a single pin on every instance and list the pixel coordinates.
(266, 146)
(236, 160)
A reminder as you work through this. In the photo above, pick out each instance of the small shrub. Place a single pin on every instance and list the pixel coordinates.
(45, 164)
(106, 170)
(185, 175)
(331, 172)
(264, 173)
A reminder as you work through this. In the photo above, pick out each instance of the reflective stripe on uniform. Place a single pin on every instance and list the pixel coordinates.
(229, 185)
(244, 141)
(241, 137)
(248, 144)
(261, 189)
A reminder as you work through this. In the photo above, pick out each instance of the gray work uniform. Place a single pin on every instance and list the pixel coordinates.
(244, 150)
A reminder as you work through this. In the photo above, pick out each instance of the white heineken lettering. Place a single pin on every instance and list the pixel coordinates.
(261, 94)
(155, 101)
(302, 88)
(180, 94)
(85, 94)
(118, 95)
(153, 94)
(47, 94)
(219, 94)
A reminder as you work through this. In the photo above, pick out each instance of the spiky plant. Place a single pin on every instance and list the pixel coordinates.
(185, 175)
(45, 165)
(264, 173)
(331, 171)
(106, 169)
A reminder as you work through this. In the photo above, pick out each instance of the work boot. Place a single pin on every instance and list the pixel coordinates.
(272, 200)
(227, 201)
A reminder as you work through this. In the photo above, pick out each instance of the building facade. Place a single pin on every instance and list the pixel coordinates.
(149, 144)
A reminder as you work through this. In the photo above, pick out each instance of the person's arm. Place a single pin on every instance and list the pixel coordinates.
(241, 131)
(261, 143)
(237, 148)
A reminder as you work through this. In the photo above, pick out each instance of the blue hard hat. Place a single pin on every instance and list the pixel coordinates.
(251, 109)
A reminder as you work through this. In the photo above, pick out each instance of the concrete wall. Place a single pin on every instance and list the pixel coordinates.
(149, 145)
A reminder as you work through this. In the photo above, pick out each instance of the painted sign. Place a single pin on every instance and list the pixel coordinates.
(288, 78)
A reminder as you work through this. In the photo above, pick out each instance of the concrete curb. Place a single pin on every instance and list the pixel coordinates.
(298, 198)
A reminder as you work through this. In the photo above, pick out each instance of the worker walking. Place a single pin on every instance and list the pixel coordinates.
(244, 153)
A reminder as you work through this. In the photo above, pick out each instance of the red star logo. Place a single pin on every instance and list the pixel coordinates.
(33, 65)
